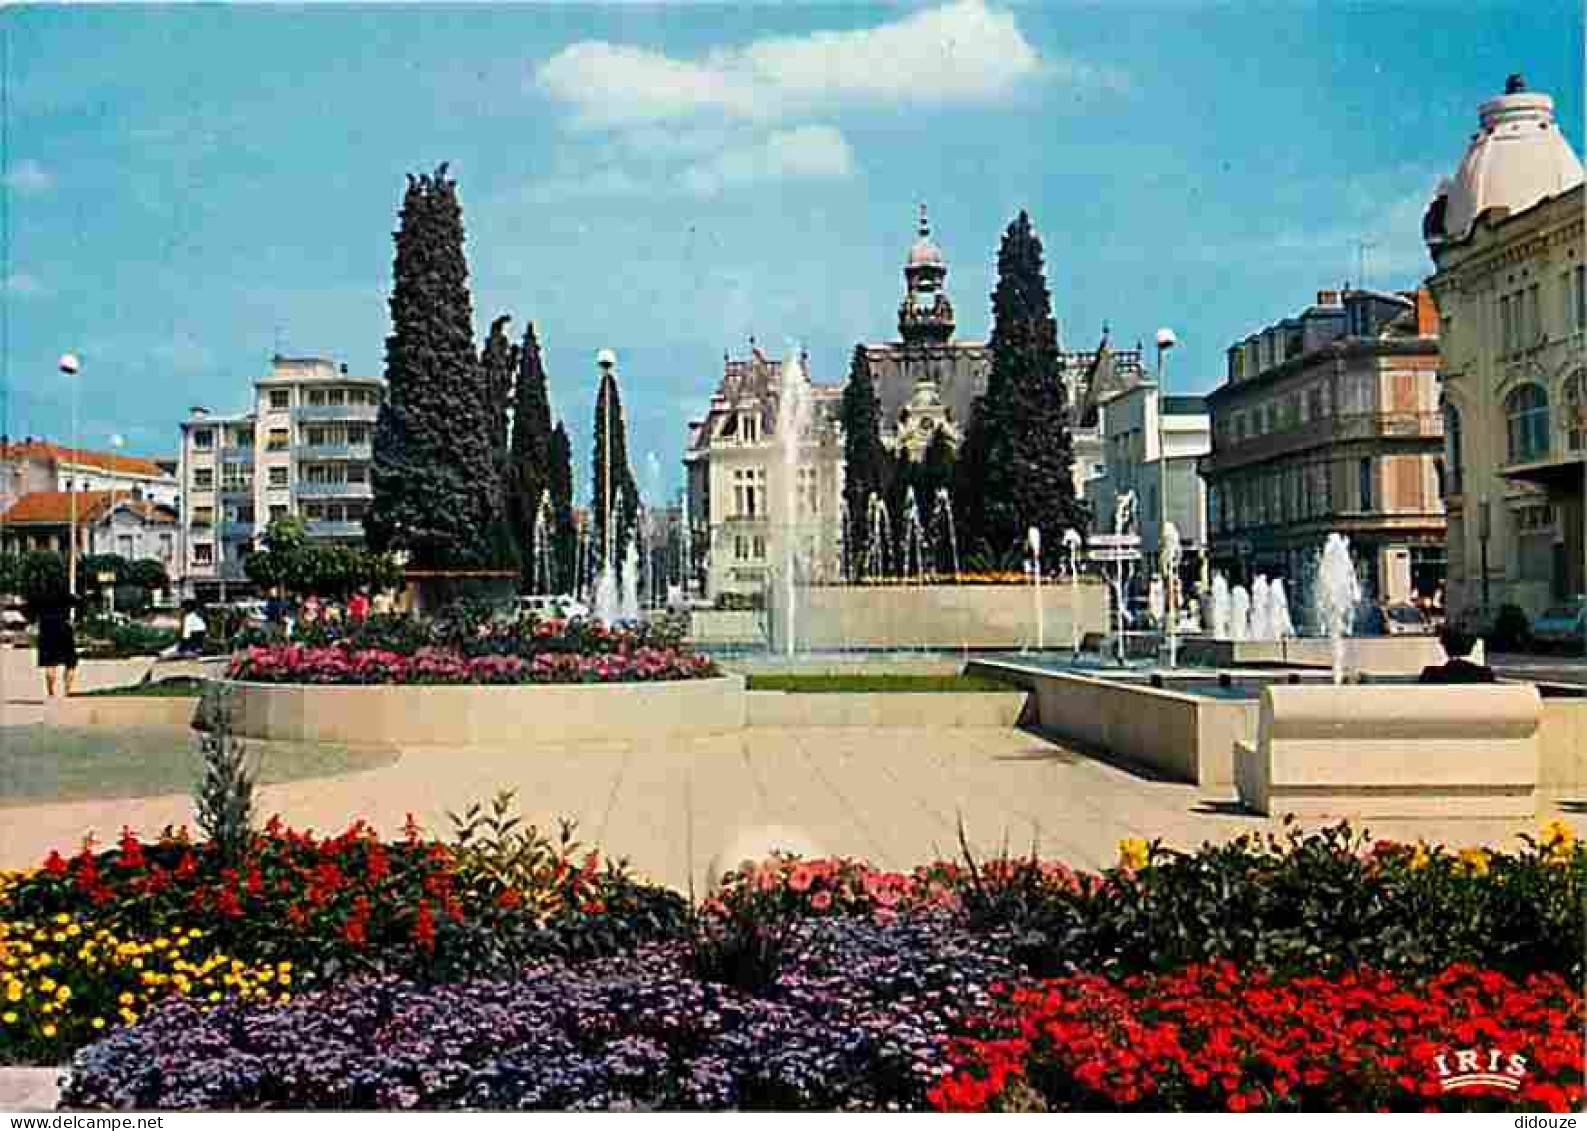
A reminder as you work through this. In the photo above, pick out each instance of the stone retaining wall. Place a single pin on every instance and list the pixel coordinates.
(495, 716)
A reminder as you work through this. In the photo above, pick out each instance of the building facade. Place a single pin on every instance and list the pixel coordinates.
(306, 448)
(1506, 238)
(108, 522)
(1132, 451)
(740, 500)
(1328, 422)
(28, 466)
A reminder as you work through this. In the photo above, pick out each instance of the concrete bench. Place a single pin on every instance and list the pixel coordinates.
(1400, 751)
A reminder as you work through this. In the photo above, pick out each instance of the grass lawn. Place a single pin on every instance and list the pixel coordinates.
(180, 688)
(860, 683)
(43, 764)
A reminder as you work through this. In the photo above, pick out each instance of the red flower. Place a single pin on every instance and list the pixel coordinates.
(55, 864)
(424, 927)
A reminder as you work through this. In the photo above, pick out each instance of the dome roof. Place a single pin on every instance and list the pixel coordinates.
(1516, 159)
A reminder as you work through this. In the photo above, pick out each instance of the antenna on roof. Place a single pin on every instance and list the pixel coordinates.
(1362, 243)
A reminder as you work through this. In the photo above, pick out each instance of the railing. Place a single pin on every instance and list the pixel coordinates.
(328, 528)
(237, 487)
(337, 490)
(237, 455)
(1327, 430)
(336, 451)
(233, 530)
(336, 412)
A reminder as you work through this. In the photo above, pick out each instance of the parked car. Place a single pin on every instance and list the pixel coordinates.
(1392, 620)
(1563, 626)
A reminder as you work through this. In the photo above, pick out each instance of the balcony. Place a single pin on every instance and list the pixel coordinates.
(232, 530)
(1323, 432)
(318, 412)
(237, 455)
(362, 451)
(330, 528)
(237, 489)
(336, 490)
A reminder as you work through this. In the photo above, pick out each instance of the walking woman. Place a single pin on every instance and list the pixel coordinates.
(51, 607)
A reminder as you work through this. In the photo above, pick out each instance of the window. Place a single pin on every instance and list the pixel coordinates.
(1440, 478)
(203, 439)
(167, 543)
(1236, 364)
(203, 478)
(203, 553)
(358, 433)
(1454, 445)
(315, 435)
(314, 512)
(1526, 413)
(336, 397)
(1534, 317)
(278, 440)
(748, 491)
(1576, 411)
(1578, 291)
(244, 438)
(278, 478)
(1506, 327)
(759, 547)
(277, 512)
(280, 398)
(1364, 474)
(317, 397)
(358, 473)
(236, 478)
(203, 516)
(124, 546)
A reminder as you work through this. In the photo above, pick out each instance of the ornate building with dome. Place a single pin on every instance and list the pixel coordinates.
(927, 381)
(1506, 238)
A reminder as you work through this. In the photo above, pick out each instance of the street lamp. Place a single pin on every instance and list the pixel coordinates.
(1165, 342)
(70, 366)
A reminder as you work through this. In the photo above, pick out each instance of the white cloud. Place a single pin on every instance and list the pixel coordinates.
(23, 284)
(805, 152)
(28, 177)
(963, 51)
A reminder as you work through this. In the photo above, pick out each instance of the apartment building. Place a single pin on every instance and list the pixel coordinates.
(305, 448)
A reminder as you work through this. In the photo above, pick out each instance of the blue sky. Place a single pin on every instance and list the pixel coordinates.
(189, 188)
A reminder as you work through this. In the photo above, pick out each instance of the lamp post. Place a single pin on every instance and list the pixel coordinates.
(1072, 542)
(1483, 532)
(1165, 342)
(70, 366)
(607, 361)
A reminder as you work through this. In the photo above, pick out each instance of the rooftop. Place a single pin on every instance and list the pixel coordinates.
(81, 457)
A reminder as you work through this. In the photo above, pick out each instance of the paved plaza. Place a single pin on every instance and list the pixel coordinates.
(893, 795)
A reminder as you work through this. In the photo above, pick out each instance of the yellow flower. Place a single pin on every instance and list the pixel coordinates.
(1134, 853)
(1420, 858)
(126, 998)
(63, 918)
(1559, 838)
(215, 996)
(9, 1017)
(284, 967)
(1475, 860)
(14, 990)
(64, 993)
(48, 1030)
(284, 979)
(98, 1022)
(73, 931)
(161, 944)
(47, 985)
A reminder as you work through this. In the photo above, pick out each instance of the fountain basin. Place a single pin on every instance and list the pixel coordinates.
(935, 617)
(1378, 655)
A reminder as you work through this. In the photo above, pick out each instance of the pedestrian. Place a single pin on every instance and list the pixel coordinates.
(195, 630)
(358, 607)
(51, 608)
(310, 612)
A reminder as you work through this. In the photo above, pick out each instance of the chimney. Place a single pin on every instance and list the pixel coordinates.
(344, 369)
(198, 410)
(1327, 298)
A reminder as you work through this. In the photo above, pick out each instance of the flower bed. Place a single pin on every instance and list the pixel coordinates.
(339, 664)
(1218, 1037)
(506, 968)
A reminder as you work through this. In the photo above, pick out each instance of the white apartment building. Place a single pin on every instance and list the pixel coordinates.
(306, 448)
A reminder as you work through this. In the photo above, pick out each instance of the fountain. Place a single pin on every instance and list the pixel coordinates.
(1337, 594)
(1240, 614)
(1220, 618)
(1033, 539)
(1278, 603)
(880, 527)
(607, 603)
(1261, 621)
(1072, 543)
(541, 546)
(793, 420)
(912, 565)
(629, 607)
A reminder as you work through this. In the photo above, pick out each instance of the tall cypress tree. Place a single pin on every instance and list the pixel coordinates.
(529, 462)
(623, 501)
(559, 477)
(1021, 444)
(498, 362)
(437, 494)
(864, 457)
